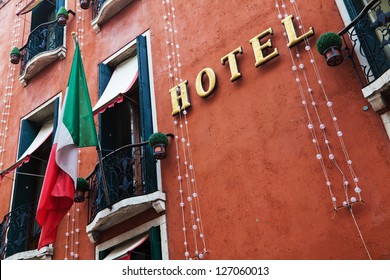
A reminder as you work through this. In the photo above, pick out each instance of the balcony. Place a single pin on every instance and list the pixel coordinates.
(45, 45)
(19, 235)
(130, 189)
(103, 10)
(367, 38)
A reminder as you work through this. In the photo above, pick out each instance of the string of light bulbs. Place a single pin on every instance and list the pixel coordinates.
(7, 98)
(73, 216)
(301, 68)
(186, 172)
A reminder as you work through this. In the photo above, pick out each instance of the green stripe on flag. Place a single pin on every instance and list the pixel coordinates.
(77, 115)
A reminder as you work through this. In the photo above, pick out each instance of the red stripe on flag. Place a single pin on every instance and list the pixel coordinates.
(56, 199)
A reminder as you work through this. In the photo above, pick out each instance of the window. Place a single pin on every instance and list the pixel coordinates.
(124, 80)
(368, 29)
(145, 242)
(147, 246)
(45, 43)
(370, 34)
(130, 184)
(35, 142)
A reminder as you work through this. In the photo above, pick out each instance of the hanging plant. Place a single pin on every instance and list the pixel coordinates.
(84, 4)
(159, 142)
(82, 187)
(62, 16)
(329, 45)
(15, 55)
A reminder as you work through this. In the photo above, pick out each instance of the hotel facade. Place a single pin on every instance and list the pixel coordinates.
(275, 151)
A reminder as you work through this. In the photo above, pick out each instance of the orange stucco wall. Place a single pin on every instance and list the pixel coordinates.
(261, 189)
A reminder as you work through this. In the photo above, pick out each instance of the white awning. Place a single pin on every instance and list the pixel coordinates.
(126, 248)
(29, 7)
(123, 78)
(44, 133)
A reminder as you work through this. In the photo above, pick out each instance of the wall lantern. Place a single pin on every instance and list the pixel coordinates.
(329, 45)
(159, 142)
(84, 4)
(63, 15)
(15, 55)
(82, 187)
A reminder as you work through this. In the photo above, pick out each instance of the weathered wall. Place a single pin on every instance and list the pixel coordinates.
(261, 188)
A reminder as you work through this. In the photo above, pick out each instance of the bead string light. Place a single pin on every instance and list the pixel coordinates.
(301, 69)
(9, 89)
(75, 210)
(188, 192)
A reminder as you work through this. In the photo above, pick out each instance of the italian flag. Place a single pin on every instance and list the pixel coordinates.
(76, 128)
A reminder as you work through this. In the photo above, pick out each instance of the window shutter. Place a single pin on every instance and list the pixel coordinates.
(149, 163)
(59, 4)
(155, 243)
(144, 88)
(55, 117)
(105, 73)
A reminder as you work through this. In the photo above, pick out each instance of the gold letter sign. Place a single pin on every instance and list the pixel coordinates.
(258, 48)
(232, 63)
(212, 82)
(292, 35)
(179, 92)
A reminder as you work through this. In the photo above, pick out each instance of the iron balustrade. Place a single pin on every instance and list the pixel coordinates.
(19, 232)
(45, 37)
(96, 6)
(369, 34)
(128, 171)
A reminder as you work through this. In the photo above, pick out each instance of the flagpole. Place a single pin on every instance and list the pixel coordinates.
(99, 153)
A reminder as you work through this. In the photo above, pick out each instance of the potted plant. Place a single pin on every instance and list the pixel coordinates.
(62, 16)
(84, 4)
(159, 142)
(15, 55)
(82, 187)
(329, 45)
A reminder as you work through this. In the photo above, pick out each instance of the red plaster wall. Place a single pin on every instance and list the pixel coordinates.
(261, 189)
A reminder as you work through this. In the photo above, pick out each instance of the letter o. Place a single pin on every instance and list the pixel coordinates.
(212, 82)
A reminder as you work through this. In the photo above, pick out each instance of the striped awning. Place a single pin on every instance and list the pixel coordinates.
(125, 250)
(29, 7)
(44, 133)
(123, 78)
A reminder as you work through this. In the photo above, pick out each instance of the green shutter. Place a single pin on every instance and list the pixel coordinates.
(144, 88)
(149, 164)
(155, 243)
(105, 73)
(55, 117)
(59, 4)
(28, 132)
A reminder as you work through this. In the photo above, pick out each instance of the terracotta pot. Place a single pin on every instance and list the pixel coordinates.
(62, 19)
(159, 151)
(333, 56)
(84, 4)
(15, 58)
(79, 196)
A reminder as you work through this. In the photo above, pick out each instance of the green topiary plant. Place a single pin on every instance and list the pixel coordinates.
(327, 40)
(16, 51)
(62, 11)
(158, 138)
(82, 187)
(82, 184)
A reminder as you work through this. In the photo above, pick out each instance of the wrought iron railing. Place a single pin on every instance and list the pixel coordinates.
(96, 6)
(45, 37)
(19, 231)
(369, 34)
(128, 172)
